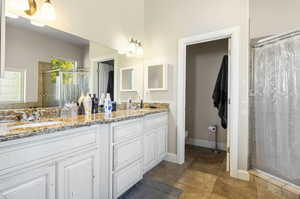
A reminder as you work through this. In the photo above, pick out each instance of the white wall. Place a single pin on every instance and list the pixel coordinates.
(270, 17)
(25, 48)
(111, 23)
(203, 66)
(168, 21)
(138, 65)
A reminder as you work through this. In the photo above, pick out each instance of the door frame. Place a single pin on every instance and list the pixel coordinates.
(233, 34)
(95, 62)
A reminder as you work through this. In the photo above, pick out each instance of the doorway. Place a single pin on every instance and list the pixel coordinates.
(206, 101)
(233, 35)
(105, 78)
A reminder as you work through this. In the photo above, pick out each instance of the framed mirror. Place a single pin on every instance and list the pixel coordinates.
(127, 79)
(156, 77)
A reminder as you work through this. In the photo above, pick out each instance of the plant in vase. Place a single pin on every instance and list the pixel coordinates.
(61, 65)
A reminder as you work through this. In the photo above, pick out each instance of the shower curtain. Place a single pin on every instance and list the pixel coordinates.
(277, 109)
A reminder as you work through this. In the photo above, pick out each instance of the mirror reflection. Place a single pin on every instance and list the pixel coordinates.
(46, 67)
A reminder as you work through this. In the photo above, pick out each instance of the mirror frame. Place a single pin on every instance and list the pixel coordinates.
(165, 77)
(132, 81)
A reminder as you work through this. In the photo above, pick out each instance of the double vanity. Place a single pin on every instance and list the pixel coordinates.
(88, 157)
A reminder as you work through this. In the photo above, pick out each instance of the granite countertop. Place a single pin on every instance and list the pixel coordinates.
(15, 133)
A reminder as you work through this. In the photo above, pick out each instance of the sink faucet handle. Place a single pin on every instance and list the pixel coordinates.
(36, 115)
(24, 116)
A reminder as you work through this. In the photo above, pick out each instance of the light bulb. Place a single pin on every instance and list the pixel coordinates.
(18, 5)
(131, 47)
(47, 11)
(139, 50)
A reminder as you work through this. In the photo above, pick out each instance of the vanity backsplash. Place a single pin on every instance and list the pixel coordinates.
(52, 112)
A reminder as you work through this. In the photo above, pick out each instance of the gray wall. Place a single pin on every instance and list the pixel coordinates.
(203, 65)
(25, 48)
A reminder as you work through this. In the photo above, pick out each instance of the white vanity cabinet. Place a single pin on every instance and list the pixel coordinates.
(96, 162)
(127, 145)
(138, 145)
(155, 139)
(62, 165)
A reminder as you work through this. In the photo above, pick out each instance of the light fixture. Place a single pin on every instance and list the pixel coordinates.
(18, 5)
(139, 50)
(134, 48)
(47, 11)
(11, 15)
(35, 23)
(131, 47)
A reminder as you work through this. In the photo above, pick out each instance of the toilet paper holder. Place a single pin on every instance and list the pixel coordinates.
(212, 129)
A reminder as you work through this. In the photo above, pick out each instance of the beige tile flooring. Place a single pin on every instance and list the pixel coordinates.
(204, 176)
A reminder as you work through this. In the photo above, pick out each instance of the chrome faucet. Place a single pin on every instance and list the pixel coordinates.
(35, 116)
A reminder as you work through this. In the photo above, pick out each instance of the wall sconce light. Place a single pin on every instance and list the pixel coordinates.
(135, 48)
(46, 11)
(139, 50)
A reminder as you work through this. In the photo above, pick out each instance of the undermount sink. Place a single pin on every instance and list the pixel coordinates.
(36, 124)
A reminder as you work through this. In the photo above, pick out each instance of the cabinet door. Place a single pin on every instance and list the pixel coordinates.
(34, 184)
(162, 143)
(127, 177)
(78, 177)
(150, 150)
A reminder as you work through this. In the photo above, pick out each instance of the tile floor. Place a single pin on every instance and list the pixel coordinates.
(204, 176)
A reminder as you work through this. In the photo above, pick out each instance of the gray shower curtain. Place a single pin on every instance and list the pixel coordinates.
(277, 109)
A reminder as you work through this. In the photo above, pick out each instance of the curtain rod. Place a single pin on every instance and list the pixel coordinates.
(275, 38)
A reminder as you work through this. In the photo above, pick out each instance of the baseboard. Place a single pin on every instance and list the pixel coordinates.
(243, 175)
(206, 143)
(171, 157)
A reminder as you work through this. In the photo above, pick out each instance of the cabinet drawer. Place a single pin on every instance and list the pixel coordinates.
(33, 151)
(126, 153)
(126, 178)
(126, 130)
(155, 120)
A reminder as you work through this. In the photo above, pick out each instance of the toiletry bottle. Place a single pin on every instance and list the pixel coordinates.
(107, 104)
(142, 104)
(81, 110)
(95, 103)
(101, 102)
(129, 104)
(87, 103)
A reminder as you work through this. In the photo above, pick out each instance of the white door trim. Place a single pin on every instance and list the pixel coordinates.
(95, 62)
(234, 34)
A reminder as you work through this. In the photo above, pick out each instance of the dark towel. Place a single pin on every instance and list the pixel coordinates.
(221, 92)
(110, 85)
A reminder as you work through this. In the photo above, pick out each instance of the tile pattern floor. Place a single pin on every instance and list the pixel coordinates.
(204, 176)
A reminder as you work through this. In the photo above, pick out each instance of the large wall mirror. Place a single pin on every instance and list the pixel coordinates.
(46, 67)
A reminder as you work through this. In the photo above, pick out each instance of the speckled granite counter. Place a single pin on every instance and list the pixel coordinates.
(70, 123)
